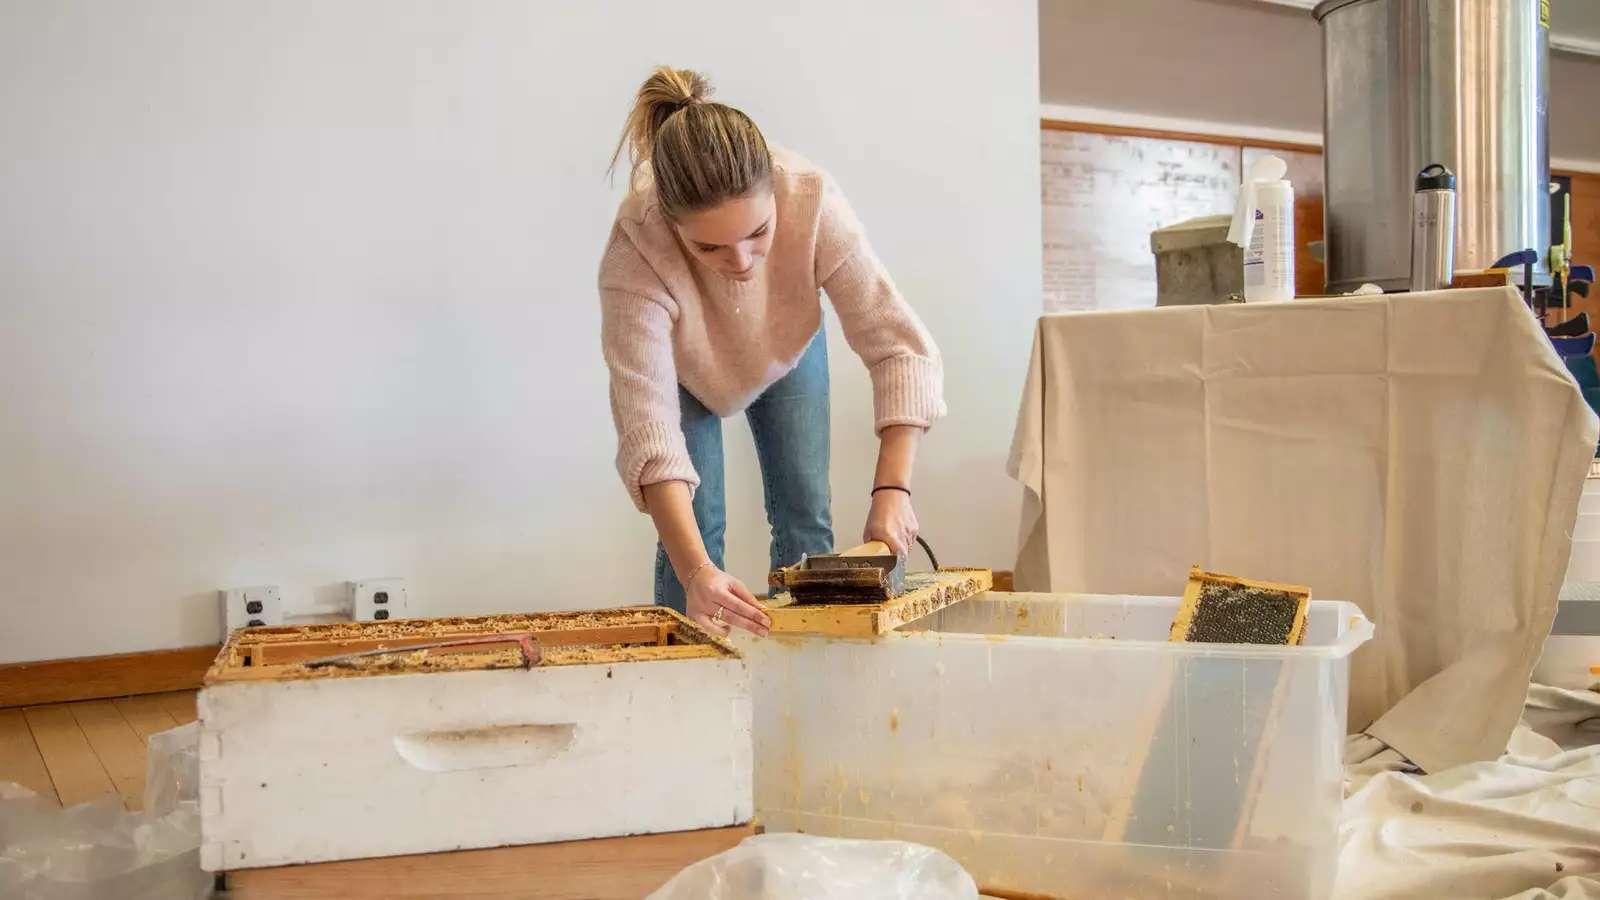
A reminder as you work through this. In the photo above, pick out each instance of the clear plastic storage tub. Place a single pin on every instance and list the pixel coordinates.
(1058, 744)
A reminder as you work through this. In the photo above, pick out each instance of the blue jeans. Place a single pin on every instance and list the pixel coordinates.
(790, 425)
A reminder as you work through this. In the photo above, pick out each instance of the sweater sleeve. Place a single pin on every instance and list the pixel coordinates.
(901, 357)
(636, 336)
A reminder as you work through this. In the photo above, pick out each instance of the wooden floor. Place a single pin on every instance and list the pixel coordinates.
(71, 753)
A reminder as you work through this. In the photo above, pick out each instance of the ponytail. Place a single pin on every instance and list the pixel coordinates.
(700, 153)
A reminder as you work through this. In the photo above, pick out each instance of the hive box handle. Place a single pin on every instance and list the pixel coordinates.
(491, 747)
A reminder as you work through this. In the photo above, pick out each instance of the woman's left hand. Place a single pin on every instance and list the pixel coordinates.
(892, 520)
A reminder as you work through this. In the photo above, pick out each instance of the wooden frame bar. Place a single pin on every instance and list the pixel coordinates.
(632, 634)
(287, 652)
(927, 592)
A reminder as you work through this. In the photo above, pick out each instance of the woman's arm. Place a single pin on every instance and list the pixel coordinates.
(636, 340)
(900, 355)
(636, 336)
(891, 518)
(878, 324)
(897, 455)
(706, 587)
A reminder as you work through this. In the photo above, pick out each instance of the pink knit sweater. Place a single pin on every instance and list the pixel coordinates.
(668, 319)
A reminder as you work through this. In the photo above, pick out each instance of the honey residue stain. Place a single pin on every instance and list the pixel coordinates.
(894, 720)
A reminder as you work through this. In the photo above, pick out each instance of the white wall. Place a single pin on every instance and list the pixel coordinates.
(299, 292)
(1240, 62)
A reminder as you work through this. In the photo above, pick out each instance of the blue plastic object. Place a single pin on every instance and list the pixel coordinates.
(1583, 345)
(1519, 258)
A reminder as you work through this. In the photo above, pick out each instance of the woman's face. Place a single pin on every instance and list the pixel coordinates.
(734, 236)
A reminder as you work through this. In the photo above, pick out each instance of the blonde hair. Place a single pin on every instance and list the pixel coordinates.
(699, 152)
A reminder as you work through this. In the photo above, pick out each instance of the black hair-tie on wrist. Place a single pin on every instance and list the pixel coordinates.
(891, 487)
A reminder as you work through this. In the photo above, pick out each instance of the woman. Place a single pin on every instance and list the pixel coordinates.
(709, 297)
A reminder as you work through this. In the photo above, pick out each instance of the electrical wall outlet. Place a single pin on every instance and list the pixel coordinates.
(251, 607)
(377, 599)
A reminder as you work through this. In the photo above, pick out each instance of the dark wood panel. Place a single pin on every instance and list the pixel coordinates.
(1585, 217)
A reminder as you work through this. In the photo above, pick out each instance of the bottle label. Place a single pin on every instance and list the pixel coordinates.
(1269, 260)
(1255, 264)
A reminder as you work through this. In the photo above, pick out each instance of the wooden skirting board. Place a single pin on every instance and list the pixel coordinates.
(100, 677)
(606, 868)
(926, 593)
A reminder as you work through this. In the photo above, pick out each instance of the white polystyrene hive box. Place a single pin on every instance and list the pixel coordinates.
(632, 722)
(1058, 744)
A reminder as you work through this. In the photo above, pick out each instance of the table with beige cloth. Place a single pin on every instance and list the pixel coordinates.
(1419, 455)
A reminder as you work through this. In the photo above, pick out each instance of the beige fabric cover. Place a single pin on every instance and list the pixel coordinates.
(1420, 455)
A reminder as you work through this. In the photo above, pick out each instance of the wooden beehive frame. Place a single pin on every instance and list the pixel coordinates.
(1199, 578)
(635, 634)
(926, 593)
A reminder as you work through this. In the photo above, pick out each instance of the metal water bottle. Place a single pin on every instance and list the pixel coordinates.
(1433, 229)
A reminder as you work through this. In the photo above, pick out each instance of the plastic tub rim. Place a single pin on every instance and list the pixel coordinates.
(1358, 630)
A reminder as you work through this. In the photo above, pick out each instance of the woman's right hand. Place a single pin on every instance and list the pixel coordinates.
(710, 589)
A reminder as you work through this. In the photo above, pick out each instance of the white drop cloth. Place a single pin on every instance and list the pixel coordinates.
(1526, 825)
(1419, 455)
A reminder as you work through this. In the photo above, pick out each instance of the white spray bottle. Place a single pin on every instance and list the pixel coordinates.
(1263, 224)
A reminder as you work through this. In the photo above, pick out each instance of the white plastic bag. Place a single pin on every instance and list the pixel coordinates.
(172, 770)
(805, 867)
(99, 850)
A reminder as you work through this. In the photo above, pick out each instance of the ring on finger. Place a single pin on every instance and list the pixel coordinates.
(720, 616)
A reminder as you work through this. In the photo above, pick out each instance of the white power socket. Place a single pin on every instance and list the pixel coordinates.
(377, 599)
(251, 607)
